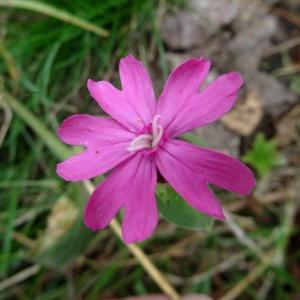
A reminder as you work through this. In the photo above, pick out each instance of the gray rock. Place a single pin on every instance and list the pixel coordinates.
(275, 97)
(217, 136)
(219, 12)
(216, 50)
(249, 45)
(185, 30)
(249, 13)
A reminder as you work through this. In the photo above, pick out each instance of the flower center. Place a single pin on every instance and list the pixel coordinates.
(148, 140)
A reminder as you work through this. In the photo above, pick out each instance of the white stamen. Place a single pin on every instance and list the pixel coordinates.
(148, 141)
(140, 142)
(158, 136)
(155, 121)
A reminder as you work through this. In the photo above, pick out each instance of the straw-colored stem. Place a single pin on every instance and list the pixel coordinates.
(141, 257)
(19, 277)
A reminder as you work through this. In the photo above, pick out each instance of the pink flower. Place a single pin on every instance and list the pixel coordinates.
(140, 138)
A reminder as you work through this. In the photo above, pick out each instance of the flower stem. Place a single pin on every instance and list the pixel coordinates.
(141, 257)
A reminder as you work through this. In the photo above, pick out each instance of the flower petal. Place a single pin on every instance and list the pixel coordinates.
(141, 216)
(137, 86)
(182, 83)
(93, 162)
(208, 105)
(91, 131)
(189, 169)
(134, 106)
(106, 142)
(132, 184)
(191, 187)
(110, 195)
(114, 103)
(215, 167)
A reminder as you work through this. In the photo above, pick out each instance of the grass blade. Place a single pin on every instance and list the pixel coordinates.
(59, 149)
(57, 13)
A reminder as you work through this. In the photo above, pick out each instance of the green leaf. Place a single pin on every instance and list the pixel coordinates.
(174, 209)
(263, 156)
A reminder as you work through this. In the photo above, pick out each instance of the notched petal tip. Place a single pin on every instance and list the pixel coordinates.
(214, 212)
(128, 57)
(235, 78)
(96, 88)
(201, 59)
(135, 234)
(220, 216)
(94, 229)
(60, 171)
(138, 230)
(91, 85)
(245, 178)
(93, 89)
(201, 62)
(251, 182)
(61, 131)
(131, 239)
(129, 61)
(89, 222)
(90, 82)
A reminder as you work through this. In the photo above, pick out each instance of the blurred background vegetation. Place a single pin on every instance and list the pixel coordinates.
(48, 50)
